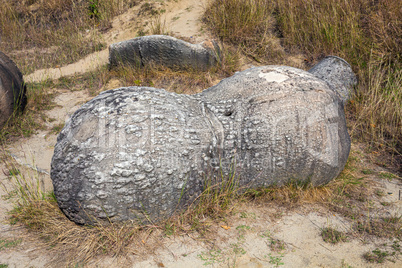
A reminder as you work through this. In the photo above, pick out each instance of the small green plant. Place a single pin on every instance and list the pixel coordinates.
(379, 193)
(245, 215)
(6, 243)
(396, 246)
(388, 175)
(238, 249)
(243, 227)
(275, 260)
(170, 229)
(57, 128)
(93, 7)
(345, 265)
(376, 256)
(367, 171)
(333, 236)
(3, 265)
(211, 257)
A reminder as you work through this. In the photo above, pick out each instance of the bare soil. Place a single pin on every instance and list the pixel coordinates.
(254, 236)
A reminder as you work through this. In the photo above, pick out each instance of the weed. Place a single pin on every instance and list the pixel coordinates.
(396, 246)
(243, 227)
(245, 215)
(345, 265)
(388, 176)
(3, 265)
(367, 171)
(275, 244)
(376, 256)
(379, 193)
(170, 229)
(275, 260)
(211, 257)
(5, 243)
(93, 8)
(57, 128)
(157, 26)
(333, 236)
(237, 249)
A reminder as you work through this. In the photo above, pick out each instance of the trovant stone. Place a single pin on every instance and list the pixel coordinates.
(139, 151)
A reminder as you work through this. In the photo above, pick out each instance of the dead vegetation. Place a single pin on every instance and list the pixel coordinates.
(366, 33)
(352, 195)
(41, 34)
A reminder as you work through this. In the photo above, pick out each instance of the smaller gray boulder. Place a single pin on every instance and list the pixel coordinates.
(165, 51)
(338, 74)
(12, 89)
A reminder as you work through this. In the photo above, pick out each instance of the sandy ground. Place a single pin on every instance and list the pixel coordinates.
(245, 244)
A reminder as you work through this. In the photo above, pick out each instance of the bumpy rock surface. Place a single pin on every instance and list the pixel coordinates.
(164, 50)
(338, 74)
(12, 89)
(136, 150)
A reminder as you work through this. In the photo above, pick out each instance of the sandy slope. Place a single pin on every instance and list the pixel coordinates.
(245, 244)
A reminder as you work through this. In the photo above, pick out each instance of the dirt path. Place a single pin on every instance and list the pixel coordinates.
(253, 230)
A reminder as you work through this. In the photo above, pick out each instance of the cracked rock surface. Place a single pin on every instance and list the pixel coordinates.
(166, 51)
(137, 151)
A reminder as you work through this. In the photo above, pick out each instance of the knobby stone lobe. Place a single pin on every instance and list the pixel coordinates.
(137, 150)
(338, 74)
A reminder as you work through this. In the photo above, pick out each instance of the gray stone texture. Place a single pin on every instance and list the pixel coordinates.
(165, 51)
(338, 74)
(136, 150)
(12, 89)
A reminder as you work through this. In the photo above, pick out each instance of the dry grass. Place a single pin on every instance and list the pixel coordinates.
(40, 99)
(71, 243)
(248, 24)
(349, 195)
(179, 81)
(366, 33)
(41, 34)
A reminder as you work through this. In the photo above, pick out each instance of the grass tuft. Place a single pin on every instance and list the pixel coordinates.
(248, 24)
(333, 236)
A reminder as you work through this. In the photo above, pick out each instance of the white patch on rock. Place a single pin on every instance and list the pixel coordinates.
(273, 77)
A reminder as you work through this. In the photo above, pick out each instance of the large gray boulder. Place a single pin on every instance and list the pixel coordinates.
(165, 51)
(139, 151)
(338, 74)
(12, 89)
